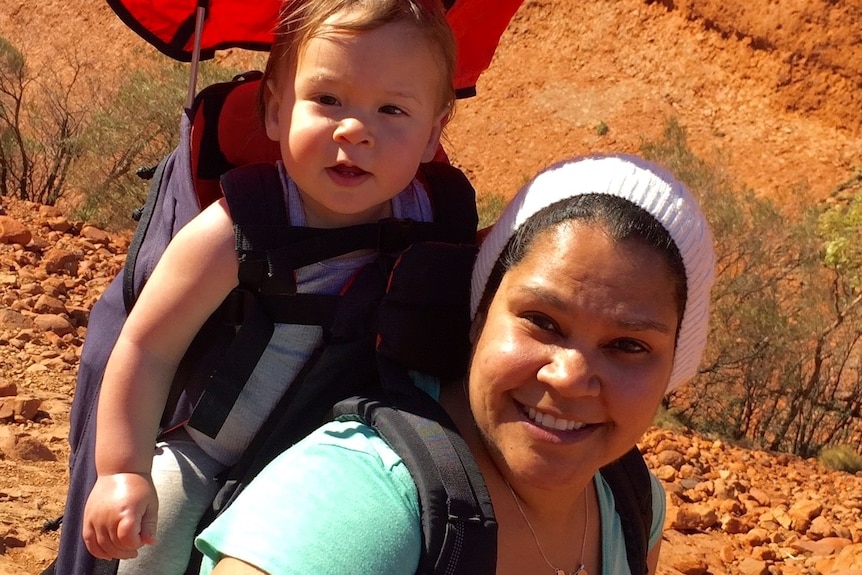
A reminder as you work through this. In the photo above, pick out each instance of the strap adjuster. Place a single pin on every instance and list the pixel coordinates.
(395, 234)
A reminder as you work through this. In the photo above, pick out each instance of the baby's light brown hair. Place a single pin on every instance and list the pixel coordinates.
(301, 20)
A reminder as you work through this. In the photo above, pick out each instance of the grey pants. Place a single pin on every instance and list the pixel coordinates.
(184, 478)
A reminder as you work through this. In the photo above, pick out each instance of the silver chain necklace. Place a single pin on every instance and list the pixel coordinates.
(581, 570)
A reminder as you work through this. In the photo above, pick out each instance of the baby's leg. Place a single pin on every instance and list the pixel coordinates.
(184, 478)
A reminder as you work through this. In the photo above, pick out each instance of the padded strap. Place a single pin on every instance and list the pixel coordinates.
(629, 480)
(459, 530)
(342, 366)
(229, 378)
(424, 319)
(453, 201)
(269, 248)
(252, 195)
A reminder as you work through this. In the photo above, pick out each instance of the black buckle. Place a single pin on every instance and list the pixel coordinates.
(395, 234)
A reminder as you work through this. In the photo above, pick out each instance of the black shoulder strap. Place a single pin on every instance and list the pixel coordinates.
(270, 250)
(459, 530)
(453, 200)
(424, 324)
(266, 242)
(254, 195)
(629, 480)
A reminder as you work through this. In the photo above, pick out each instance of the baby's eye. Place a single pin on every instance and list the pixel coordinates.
(327, 100)
(391, 110)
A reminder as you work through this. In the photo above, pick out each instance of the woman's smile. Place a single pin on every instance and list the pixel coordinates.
(548, 421)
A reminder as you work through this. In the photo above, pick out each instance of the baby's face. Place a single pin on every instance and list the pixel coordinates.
(356, 118)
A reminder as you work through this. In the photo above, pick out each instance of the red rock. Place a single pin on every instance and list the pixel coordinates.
(95, 235)
(823, 547)
(802, 512)
(693, 517)
(848, 558)
(58, 224)
(49, 304)
(756, 537)
(691, 566)
(734, 525)
(14, 232)
(29, 448)
(671, 457)
(10, 319)
(60, 261)
(749, 566)
(25, 407)
(53, 323)
(821, 527)
(760, 496)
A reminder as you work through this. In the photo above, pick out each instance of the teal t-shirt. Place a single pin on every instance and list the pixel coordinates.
(341, 501)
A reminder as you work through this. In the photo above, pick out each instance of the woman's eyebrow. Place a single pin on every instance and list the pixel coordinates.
(644, 325)
(539, 292)
(632, 324)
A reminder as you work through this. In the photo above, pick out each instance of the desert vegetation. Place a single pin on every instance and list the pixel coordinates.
(783, 370)
(65, 137)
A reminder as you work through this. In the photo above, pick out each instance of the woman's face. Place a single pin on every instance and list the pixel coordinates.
(574, 355)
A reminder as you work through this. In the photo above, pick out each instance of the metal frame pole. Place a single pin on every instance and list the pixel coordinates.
(196, 53)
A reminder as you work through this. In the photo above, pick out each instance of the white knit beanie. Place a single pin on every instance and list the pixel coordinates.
(645, 185)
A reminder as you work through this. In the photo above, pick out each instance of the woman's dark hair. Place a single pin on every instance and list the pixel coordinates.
(622, 220)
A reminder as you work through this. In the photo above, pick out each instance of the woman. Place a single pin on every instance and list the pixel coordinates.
(590, 300)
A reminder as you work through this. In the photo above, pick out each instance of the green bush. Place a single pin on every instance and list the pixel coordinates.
(841, 458)
(42, 116)
(133, 129)
(602, 129)
(667, 419)
(490, 206)
(785, 325)
(67, 133)
(841, 226)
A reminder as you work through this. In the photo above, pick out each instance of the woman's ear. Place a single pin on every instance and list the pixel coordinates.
(271, 104)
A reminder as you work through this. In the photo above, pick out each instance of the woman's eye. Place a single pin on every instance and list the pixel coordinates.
(391, 110)
(629, 346)
(542, 322)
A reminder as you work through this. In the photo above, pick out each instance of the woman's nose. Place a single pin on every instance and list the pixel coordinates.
(571, 372)
(354, 131)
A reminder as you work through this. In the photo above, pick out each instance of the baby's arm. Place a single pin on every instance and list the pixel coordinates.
(195, 273)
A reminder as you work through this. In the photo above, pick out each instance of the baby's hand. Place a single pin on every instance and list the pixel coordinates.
(120, 515)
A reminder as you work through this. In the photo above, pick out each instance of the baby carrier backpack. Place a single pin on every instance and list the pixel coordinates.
(219, 133)
(407, 310)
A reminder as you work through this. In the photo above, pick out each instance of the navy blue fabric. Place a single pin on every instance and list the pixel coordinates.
(175, 207)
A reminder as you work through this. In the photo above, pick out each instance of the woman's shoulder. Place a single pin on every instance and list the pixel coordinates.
(303, 493)
(352, 436)
(613, 539)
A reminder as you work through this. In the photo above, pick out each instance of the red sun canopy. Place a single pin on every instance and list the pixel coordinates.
(169, 25)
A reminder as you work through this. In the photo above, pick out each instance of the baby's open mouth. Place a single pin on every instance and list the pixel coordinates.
(348, 171)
